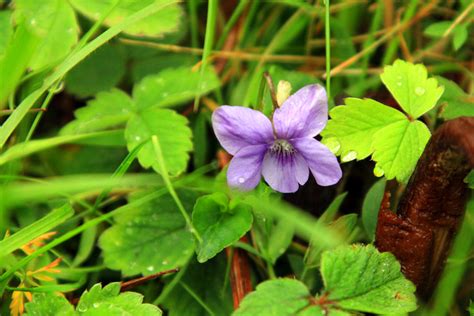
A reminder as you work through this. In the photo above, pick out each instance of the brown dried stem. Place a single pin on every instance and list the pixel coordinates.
(432, 208)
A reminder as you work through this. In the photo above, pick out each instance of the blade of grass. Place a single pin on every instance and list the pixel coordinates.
(230, 24)
(70, 234)
(169, 186)
(292, 27)
(52, 91)
(21, 192)
(193, 22)
(208, 42)
(305, 225)
(38, 228)
(197, 298)
(17, 116)
(391, 50)
(457, 264)
(327, 33)
(22, 150)
(15, 61)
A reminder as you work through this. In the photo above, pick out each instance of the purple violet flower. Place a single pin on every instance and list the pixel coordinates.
(284, 153)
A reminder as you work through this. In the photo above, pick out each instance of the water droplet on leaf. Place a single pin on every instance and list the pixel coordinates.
(419, 91)
(378, 172)
(349, 156)
(399, 83)
(150, 268)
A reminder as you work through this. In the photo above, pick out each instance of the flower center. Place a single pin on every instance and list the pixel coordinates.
(282, 146)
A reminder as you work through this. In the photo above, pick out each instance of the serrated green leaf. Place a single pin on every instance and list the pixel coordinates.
(150, 239)
(279, 297)
(455, 101)
(460, 35)
(109, 301)
(6, 30)
(437, 29)
(362, 279)
(371, 207)
(219, 224)
(54, 22)
(46, 304)
(173, 134)
(398, 147)
(173, 86)
(354, 125)
(108, 109)
(165, 21)
(206, 281)
(411, 87)
(100, 71)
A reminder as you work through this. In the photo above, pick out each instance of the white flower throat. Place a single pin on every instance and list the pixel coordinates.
(282, 146)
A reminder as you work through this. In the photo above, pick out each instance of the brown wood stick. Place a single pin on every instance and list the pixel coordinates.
(433, 205)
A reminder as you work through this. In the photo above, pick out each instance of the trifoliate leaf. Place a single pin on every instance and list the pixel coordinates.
(354, 125)
(219, 223)
(173, 86)
(455, 102)
(6, 30)
(108, 109)
(279, 297)
(54, 22)
(371, 207)
(411, 87)
(398, 147)
(362, 279)
(151, 238)
(437, 29)
(45, 304)
(205, 281)
(173, 134)
(109, 301)
(100, 71)
(460, 35)
(164, 21)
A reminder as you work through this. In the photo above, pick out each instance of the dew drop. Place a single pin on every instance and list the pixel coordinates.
(241, 180)
(349, 156)
(150, 268)
(33, 22)
(81, 308)
(399, 83)
(419, 91)
(138, 138)
(96, 305)
(164, 262)
(378, 172)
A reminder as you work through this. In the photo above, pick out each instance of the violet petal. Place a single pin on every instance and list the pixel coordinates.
(284, 172)
(245, 168)
(321, 161)
(303, 114)
(237, 127)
